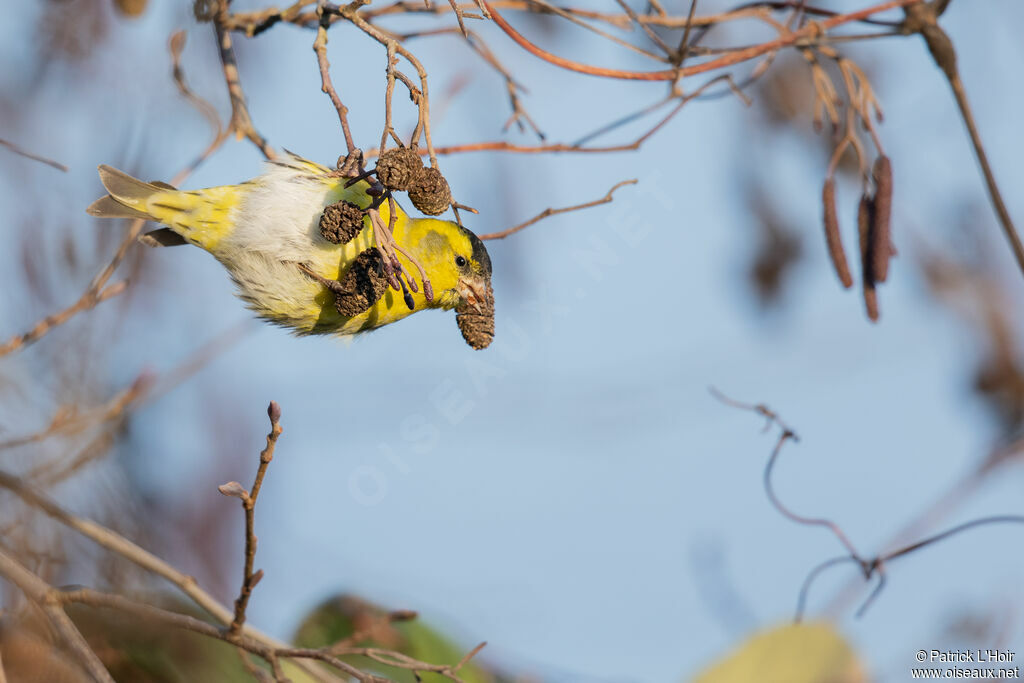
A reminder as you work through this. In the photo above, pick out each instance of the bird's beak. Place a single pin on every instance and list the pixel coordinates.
(473, 291)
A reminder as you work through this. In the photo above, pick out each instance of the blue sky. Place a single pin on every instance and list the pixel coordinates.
(553, 494)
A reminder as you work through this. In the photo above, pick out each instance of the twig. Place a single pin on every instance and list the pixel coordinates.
(248, 498)
(350, 12)
(41, 593)
(923, 19)
(876, 566)
(320, 48)
(519, 113)
(141, 610)
(97, 291)
(577, 147)
(730, 59)
(569, 16)
(655, 38)
(551, 212)
(34, 157)
(119, 545)
(90, 299)
(176, 45)
(241, 122)
(254, 23)
(870, 567)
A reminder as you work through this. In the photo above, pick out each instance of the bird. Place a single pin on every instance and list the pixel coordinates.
(267, 234)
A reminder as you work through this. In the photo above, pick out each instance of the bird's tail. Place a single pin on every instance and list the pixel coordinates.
(202, 217)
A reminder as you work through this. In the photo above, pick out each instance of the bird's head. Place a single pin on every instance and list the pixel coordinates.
(456, 261)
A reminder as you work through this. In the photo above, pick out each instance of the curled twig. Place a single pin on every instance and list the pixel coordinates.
(874, 567)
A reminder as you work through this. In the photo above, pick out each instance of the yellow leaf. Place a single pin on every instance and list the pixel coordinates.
(793, 653)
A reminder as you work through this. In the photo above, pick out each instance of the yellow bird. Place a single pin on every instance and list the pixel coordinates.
(266, 233)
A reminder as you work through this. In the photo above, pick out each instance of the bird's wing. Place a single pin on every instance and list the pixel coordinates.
(294, 161)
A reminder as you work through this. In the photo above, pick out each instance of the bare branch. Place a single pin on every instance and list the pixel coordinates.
(552, 212)
(250, 578)
(41, 593)
(923, 19)
(34, 157)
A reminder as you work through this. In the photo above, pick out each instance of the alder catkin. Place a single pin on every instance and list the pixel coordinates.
(881, 237)
(832, 236)
(865, 231)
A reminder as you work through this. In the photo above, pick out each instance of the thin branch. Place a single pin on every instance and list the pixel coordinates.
(120, 545)
(805, 587)
(870, 567)
(34, 157)
(922, 19)
(248, 498)
(141, 610)
(89, 300)
(176, 45)
(730, 59)
(326, 85)
(552, 212)
(576, 147)
(241, 122)
(41, 593)
(98, 292)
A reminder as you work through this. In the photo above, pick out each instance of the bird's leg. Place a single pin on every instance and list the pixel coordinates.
(362, 176)
(378, 199)
(332, 285)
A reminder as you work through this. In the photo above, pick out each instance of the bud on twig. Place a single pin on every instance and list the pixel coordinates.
(233, 489)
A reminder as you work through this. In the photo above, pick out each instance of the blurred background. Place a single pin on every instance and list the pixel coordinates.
(574, 495)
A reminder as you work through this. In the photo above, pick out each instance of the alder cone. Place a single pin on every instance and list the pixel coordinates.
(363, 284)
(341, 222)
(398, 168)
(430, 193)
(477, 327)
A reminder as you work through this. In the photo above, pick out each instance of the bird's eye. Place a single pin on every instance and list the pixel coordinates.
(460, 261)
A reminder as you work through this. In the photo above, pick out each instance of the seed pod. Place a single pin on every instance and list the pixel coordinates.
(430, 193)
(398, 168)
(341, 222)
(362, 285)
(881, 248)
(832, 236)
(477, 327)
(865, 230)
